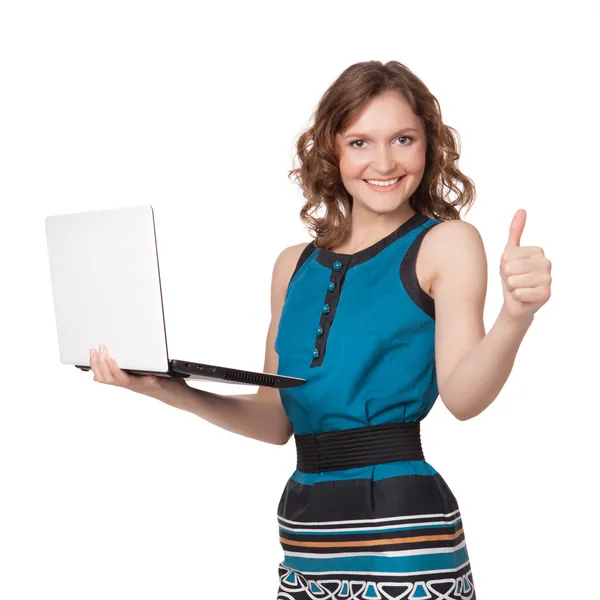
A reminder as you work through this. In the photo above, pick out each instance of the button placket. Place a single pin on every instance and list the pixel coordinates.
(332, 296)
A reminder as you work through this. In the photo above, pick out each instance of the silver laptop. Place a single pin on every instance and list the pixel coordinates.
(106, 289)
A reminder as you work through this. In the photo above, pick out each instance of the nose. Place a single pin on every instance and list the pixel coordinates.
(384, 162)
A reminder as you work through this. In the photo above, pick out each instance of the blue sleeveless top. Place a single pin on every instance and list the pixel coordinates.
(361, 331)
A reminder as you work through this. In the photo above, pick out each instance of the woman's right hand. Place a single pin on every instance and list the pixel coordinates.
(106, 370)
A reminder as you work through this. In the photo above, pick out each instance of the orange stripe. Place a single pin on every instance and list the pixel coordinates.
(376, 542)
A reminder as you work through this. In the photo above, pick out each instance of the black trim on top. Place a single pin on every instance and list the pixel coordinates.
(408, 274)
(332, 298)
(308, 250)
(327, 257)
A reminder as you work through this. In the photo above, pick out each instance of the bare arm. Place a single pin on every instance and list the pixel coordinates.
(260, 415)
(472, 366)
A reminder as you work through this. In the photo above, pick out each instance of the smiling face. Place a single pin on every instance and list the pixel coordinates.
(387, 141)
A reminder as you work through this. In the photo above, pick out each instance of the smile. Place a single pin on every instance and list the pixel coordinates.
(385, 186)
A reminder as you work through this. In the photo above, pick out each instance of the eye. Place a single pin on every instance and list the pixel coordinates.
(405, 137)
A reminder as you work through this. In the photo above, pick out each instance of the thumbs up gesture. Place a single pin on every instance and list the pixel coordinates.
(525, 272)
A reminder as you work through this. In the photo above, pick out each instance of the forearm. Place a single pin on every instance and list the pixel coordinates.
(480, 375)
(248, 415)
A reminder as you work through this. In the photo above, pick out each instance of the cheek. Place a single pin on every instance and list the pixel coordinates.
(352, 165)
(416, 160)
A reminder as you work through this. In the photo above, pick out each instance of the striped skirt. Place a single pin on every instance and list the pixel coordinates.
(387, 531)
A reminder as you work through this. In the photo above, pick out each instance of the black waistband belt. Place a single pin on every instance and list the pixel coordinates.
(358, 447)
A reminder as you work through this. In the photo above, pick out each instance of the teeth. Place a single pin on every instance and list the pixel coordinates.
(383, 183)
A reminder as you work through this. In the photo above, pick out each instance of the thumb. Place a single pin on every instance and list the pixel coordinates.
(516, 228)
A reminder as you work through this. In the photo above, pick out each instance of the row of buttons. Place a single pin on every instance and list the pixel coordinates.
(337, 265)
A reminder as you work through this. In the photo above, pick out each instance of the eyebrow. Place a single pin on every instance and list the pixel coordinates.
(364, 135)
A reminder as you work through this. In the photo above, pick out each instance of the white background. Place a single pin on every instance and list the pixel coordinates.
(196, 110)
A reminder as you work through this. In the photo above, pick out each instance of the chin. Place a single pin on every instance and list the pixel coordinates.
(385, 205)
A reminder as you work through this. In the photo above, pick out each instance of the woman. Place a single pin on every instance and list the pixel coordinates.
(380, 312)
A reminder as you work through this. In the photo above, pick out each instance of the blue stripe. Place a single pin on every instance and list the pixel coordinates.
(387, 564)
(374, 472)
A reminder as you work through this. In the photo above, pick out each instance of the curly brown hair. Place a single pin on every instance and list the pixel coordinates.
(318, 173)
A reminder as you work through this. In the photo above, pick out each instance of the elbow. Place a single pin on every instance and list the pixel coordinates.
(281, 441)
(284, 438)
(455, 410)
(458, 413)
(462, 416)
(289, 432)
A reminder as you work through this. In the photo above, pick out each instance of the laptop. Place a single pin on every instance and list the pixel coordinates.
(106, 290)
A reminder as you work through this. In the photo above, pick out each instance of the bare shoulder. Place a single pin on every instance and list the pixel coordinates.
(286, 263)
(292, 253)
(449, 246)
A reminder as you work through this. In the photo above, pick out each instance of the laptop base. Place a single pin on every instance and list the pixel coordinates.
(180, 369)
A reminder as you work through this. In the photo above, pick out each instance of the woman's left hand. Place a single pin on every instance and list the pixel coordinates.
(525, 272)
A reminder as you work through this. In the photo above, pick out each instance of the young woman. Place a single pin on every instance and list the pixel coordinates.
(381, 312)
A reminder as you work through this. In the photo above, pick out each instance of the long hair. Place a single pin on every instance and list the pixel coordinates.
(318, 173)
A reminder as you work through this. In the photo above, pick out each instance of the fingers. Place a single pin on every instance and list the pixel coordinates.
(534, 279)
(119, 376)
(106, 369)
(103, 369)
(98, 369)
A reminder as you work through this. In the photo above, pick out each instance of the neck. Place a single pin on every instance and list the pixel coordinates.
(368, 229)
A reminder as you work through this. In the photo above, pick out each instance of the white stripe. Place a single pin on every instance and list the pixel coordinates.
(391, 553)
(424, 516)
(394, 574)
(357, 529)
